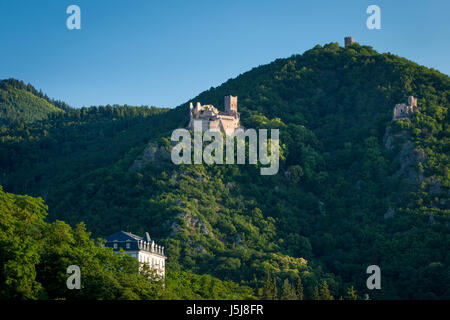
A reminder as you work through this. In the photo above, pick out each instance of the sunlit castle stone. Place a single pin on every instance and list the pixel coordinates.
(207, 117)
(402, 111)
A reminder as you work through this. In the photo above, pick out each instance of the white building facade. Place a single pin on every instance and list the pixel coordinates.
(145, 250)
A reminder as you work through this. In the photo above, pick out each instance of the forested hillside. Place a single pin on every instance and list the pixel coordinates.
(354, 188)
(23, 103)
(34, 256)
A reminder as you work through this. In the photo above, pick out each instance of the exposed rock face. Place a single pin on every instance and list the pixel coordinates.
(411, 160)
(408, 156)
(435, 187)
(390, 213)
(192, 222)
(198, 248)
(321, 207)
(388, 139)
(152, 153)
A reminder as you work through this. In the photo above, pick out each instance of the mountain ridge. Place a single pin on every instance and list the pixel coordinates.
(321, 219)
(23, 103)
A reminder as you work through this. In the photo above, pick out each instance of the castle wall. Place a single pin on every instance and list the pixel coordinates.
(402, 110)
(208, 117)
(229, 126)
(202, 122)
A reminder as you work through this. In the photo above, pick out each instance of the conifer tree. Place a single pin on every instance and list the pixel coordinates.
(266, 287)
(287, 291)
(299, 289)
(316, 293)
(325, 292)
(274, 289)
(351, 293)
(270, 288)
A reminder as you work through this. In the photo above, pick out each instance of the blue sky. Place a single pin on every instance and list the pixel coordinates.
(163, 53)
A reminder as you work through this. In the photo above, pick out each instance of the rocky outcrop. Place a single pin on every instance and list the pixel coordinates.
(411, 162)
(152, 153)
(191, 222)
(390, 213)
(408, 156)
(434, 185)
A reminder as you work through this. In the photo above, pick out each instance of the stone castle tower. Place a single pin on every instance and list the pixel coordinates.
(230, 103)
(348, 41)
(402, 111)
(209, 118)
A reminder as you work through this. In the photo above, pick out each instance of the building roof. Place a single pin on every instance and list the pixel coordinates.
(136, 243)
(123, 236)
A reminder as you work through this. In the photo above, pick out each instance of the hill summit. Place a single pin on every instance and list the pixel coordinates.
(23, 103)
(354, 189)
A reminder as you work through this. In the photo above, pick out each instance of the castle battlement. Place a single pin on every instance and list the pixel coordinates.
(210, 118)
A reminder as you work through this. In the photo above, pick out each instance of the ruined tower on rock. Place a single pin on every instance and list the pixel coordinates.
(402, 111)
(348, 41)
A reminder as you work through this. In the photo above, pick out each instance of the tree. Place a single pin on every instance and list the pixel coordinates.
(287, 291)
(274, 289)
(299, 289)
(21, 221)
(316, 293)
(325, 292)
(270, 288)
(351, 293)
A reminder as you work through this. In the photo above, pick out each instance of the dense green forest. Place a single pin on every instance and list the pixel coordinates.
(23, 103)
(34, 256)
(354, 188)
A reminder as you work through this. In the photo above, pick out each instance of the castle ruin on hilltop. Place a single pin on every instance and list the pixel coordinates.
(402, 111)
(209, 118)
(349, 40)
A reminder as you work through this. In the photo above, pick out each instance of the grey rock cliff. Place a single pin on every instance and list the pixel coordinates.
(152, 153)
